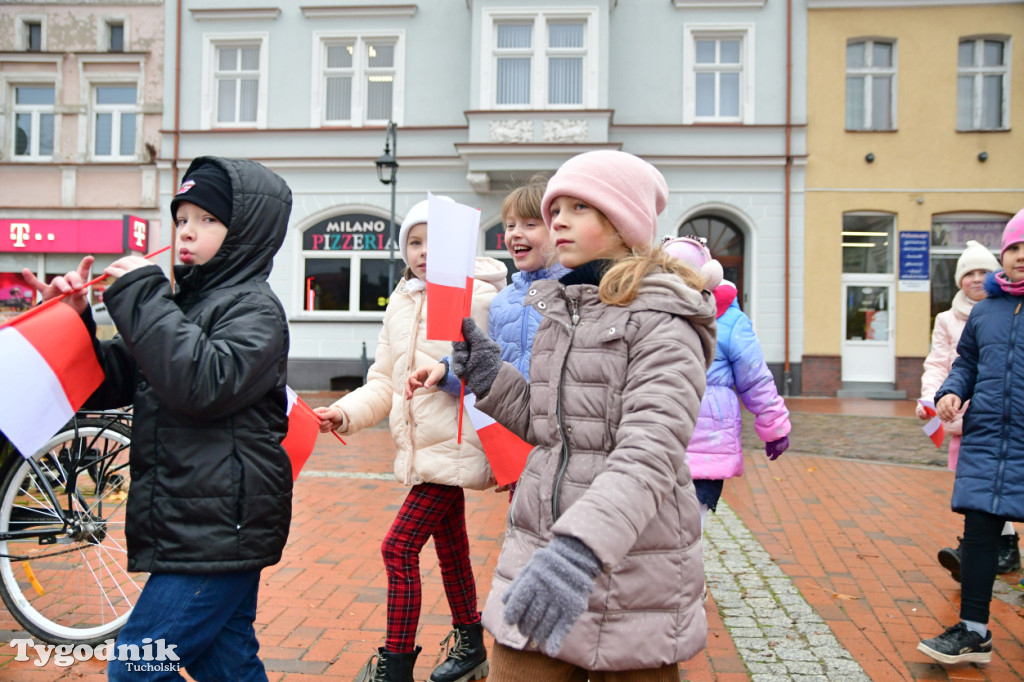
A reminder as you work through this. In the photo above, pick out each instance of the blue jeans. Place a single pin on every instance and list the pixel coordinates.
(207, 617)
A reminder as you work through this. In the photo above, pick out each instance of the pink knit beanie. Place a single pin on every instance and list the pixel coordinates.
(1013, 233)
(695, 254)
(629, 192)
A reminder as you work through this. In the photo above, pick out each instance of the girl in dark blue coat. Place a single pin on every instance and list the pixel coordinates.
(989, 487)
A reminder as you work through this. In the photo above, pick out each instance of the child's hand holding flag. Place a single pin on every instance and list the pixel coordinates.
(933, 428)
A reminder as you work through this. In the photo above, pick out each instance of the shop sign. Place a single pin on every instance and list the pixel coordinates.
(61, 236)
(914, 248)
(136, 234)
(349, 232)
(494, 238)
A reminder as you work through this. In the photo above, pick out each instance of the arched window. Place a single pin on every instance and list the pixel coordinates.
(726, 243)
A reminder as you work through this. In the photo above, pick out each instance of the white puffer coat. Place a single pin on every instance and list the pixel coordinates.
(425, 428)
(611, 403)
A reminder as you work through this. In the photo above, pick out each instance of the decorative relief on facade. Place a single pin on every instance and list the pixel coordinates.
(565, 130)
(511, 130)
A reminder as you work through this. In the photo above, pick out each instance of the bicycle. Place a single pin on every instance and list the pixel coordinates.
(63, 556)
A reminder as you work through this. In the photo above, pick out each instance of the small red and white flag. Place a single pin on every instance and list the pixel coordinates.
(303, 428)
(453, 229)
(506, 452)
(933, 428)
(50, 369)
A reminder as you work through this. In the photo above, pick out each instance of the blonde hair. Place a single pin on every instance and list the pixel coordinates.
(524, 202)
(621, 284)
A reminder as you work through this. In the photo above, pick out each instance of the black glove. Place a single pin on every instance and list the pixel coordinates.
(548, 596)
(477, 359)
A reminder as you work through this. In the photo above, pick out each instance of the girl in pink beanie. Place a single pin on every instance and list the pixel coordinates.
(604, 528)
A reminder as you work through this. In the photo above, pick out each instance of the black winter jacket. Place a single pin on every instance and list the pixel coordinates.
(211, 486)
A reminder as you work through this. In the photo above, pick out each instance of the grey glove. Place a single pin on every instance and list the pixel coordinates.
(550, 593)
(477, 359)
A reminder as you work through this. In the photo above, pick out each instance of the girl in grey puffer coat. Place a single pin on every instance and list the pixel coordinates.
(601, 567)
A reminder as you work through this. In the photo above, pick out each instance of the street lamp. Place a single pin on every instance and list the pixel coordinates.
(387, 173)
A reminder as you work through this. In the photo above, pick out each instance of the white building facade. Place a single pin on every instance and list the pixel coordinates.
(485, 93)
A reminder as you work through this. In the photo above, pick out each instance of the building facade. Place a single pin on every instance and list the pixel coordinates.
(915, 147)
(485, 94)
(80, 113)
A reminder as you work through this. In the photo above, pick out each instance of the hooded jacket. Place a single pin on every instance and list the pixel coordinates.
(738, 373)
(425, 429)
(990, 373)
(205, 368)
(511, 325)
(611, 403)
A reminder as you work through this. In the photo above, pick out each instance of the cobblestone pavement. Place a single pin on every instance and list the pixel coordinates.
(820, 566)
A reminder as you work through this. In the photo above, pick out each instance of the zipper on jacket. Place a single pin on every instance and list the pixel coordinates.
(574, 306)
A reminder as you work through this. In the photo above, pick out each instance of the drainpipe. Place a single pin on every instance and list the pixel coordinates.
(177, 123)
(787, 375)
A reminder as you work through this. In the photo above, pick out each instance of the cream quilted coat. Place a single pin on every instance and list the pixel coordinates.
(611, 404)
(424, 428)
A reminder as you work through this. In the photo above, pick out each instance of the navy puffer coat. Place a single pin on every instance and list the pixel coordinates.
(990, 372)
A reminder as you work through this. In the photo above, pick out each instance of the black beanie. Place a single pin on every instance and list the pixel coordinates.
(209, 188)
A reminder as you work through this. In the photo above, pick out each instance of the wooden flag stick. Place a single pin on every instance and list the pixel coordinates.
(53, 301)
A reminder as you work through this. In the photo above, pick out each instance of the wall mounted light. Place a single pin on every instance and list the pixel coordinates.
(870, 158)
(983, 157)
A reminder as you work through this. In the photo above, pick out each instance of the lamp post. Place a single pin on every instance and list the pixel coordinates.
(387, 173)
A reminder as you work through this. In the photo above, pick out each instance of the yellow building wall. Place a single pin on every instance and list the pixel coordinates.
(923, 168)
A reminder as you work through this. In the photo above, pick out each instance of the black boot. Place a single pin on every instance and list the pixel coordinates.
(950, 559)
(389, 666)
(467, 656)
(1009, 554)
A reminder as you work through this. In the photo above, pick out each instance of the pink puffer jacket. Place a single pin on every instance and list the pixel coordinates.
(949, 325)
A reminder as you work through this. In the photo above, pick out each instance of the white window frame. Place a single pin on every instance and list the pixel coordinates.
(869, 72)
(21, 27)
(115, 142)
(360, 73)
(35, 110)
(978, 72)
(103, 32)
(211, 43)
(539, 52)
(742, 32)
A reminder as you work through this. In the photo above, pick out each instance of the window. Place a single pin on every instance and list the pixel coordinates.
(114, 121)
(981, 85)
(345, 264)
(540, 60)
(115, 36)
(718, 86)
(950, 232)
(33, 36)
(358, 79)
(867, 243)
(235, 81)
(33, 121)
(871, 85)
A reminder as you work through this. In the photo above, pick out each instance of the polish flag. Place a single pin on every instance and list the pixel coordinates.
(506, 452)
(303, 428)
(50, 369)
(933, 428)
(452, 231)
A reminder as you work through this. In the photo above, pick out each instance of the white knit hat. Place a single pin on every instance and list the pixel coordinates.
(975, 257)
(416, 215)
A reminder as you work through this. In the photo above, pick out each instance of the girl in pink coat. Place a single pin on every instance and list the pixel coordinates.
(972, 268)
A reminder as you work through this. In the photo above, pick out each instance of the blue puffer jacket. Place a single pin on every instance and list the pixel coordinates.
(990, 372)
(512, 325)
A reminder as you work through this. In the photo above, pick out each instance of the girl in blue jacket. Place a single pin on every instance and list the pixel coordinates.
(989, 487)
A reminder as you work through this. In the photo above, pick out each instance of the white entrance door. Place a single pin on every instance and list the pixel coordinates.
(868, 348)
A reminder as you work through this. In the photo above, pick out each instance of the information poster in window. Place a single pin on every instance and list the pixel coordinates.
(914, 248)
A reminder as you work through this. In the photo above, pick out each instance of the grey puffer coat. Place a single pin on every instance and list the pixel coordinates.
(611, 403)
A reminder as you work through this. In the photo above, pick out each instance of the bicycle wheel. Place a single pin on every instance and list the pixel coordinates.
(70, 584)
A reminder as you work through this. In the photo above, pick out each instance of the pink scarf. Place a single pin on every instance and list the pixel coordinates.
(1012, 288)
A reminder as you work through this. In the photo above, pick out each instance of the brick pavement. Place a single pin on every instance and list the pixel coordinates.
(853, 540)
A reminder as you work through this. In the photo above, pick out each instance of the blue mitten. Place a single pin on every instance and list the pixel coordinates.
(776, 447)
(550, 593)
(477, 359)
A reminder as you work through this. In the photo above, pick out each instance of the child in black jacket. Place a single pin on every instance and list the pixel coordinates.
(205, 368)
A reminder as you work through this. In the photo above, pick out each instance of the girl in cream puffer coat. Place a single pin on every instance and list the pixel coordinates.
(428, 456)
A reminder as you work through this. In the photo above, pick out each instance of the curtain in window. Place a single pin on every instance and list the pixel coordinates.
(729, 84)
(248, 95)
(104, 134)
(854, 102)
(565, 80)
(45, 134)
(127, 134)
(339, 98)
(964, 103)
(513, 85)
(705, 94)
(225, 101)
(378, 97)
(992, 102)
(881, 103)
